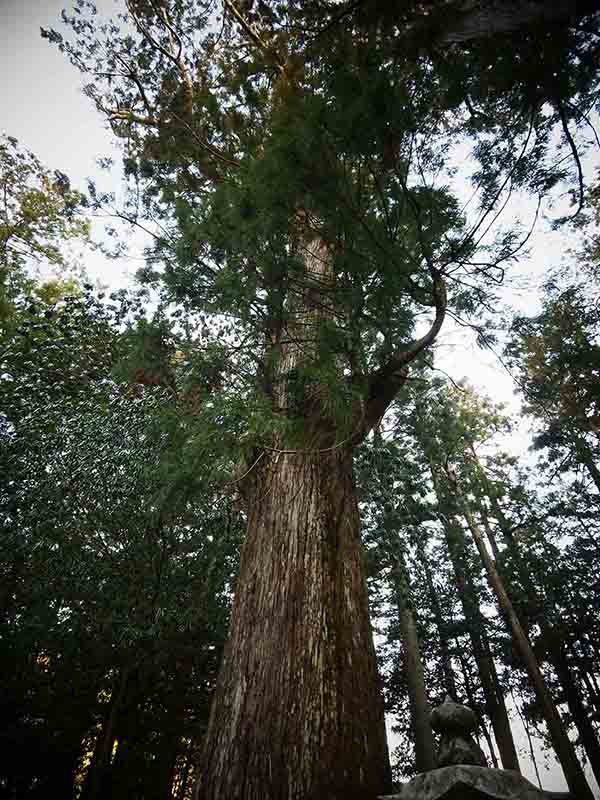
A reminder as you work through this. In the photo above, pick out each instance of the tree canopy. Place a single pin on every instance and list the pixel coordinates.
(297, 168)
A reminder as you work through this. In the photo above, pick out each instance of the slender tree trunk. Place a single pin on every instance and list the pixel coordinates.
(98, 769)
(556, 652)
(491, 537)
(474, 706)
(297, 713)
(494, 697)
(128, 776)
(525, 724)
(185, 773)
(591, 688)
(163, 767)
(448, 672)
(419, 707)
(489, 742)
(562, 745)
(586, 731)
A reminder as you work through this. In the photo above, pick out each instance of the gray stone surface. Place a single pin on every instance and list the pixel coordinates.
(454, 723)
(453, 717)
(468, 782)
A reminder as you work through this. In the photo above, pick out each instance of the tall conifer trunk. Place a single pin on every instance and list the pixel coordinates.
(494, 697)
(297, 713)
(563, 747)
(425, 756)
(447, 669)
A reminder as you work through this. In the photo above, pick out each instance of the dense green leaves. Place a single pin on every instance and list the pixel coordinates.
(248, 134)
(118, 552)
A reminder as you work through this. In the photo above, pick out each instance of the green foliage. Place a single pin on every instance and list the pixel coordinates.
(40, 215)
(325, 129)
(556, 355)
(247, 142)
(118, 550)
(544, 543)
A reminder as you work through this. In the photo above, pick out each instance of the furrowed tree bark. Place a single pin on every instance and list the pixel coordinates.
(419, 707)
(565, 751)
(297, 713)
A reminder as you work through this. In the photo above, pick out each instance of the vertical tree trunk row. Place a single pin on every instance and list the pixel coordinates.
(449, 677)
(556, 654)
(494, 697)
(562, 745)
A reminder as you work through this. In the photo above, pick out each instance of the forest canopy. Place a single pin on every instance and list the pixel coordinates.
(222, 482)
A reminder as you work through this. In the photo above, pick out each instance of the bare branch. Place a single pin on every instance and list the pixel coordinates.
(573, 146)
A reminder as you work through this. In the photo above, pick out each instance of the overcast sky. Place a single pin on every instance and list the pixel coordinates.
(42, 105)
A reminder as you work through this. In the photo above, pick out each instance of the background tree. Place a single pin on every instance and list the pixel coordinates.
(556, 355)
(118, 556)
(40, 215)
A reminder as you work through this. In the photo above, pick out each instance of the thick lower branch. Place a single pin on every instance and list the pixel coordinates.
(385, 383)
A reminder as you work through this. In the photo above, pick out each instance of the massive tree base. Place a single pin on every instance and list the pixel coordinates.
(297, 713)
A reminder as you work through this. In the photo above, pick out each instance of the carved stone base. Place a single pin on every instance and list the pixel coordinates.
(467, 782)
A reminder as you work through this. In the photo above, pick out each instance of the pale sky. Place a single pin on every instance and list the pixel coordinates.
(42, 105)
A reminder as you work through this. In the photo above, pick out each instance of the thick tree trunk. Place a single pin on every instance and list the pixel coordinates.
(297, 713)
(419, 707)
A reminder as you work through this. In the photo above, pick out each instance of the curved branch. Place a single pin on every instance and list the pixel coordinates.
(573, 146)
(385, 383)
(440, 300)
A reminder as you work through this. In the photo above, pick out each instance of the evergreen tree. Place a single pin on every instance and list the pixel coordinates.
(289, 152)
(40, 215)
(118, 553)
